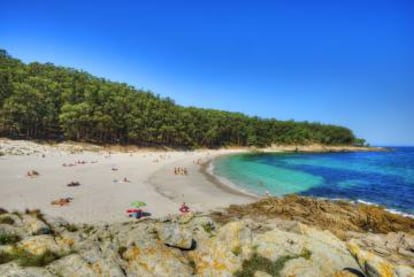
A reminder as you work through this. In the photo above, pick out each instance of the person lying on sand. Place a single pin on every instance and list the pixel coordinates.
(32, 173)
(73, 184)
(62, 201)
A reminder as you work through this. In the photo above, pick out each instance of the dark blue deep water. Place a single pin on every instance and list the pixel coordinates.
(384, 178)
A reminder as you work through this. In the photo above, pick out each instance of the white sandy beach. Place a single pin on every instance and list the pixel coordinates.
(102, 195)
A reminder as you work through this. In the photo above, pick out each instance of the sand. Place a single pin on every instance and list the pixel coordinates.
(103, 196)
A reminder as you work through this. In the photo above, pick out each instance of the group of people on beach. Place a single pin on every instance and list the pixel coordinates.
(197, 162)
(182, 171)
(138, 212)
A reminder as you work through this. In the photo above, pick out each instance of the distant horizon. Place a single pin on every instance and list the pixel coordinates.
(348, 64)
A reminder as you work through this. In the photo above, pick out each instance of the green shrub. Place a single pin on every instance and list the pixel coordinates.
(5, 257)
(121, 251)
(6, 220)
(71, 227)
(306, 253)
(237, 250)
(25, 258)
(6, 238)
(193, 266)
(260, 263)
(208, 227)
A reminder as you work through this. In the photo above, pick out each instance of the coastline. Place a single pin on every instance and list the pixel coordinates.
(319, 148)
(202, 191)
(221, 182)
(102, 195)
(231, 187)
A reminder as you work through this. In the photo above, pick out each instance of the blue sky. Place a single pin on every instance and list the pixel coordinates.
(341, 62)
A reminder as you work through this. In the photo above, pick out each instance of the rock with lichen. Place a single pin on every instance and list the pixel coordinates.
(196, 245)
(173, 234)
(375, 266)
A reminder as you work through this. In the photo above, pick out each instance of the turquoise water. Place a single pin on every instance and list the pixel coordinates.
(384, 178)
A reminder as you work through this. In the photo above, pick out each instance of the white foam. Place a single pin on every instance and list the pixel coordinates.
(225, 181)
(393, 211)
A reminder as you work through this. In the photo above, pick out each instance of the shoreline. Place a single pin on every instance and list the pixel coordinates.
(231, 187)
(200, 190)
(226, 186)
(102, 196)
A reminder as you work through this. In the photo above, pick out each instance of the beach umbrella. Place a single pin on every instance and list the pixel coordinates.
(138, 204)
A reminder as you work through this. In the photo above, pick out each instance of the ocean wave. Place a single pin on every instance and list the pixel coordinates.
(393, 211)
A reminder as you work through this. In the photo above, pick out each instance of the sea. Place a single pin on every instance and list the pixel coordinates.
(375, 178)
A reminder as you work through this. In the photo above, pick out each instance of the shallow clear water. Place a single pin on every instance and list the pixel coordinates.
(384, 178)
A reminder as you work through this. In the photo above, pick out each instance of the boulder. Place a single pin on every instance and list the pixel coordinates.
(103, 257)
(11, 219)
(173, 234)
(71, 265)
(371, 264)
(397, 248)
(38, 245)
(155, 259)
(9, 230)
(59, 224)
(35, 226)
(312, 253)
(14, 270)
(223, 254)
(404, 271)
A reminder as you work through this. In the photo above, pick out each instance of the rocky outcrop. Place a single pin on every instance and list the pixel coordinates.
(319, 252)
(335, 216)
(394, 247)
(375, 266)
(223, 253)
(190, 245)
(34, 225)
(173, 234)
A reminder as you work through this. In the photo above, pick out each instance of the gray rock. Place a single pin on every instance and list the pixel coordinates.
(312, 252)
(72, 265)
(35, 226)
(16, 219)
(404, 271)
(14, 270)
(223, 254)
(103, 257)
(155, 260)
(38, 245)
(173, 234)
(372, 265)
(7, 229)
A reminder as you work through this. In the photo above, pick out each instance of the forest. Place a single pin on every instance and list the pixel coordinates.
(45, 101)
